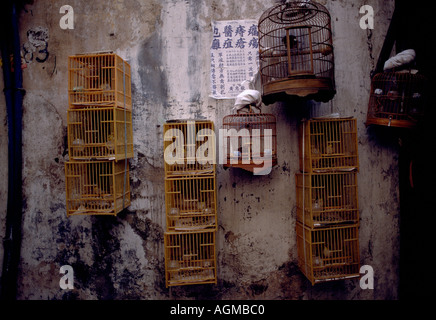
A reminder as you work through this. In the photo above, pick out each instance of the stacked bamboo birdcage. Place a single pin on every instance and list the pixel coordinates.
(100, 136)
(327, 200)
(190, 202)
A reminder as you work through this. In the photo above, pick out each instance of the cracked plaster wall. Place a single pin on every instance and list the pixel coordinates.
(167, 44)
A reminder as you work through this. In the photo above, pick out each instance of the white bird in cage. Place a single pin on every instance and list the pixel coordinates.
(246, 99)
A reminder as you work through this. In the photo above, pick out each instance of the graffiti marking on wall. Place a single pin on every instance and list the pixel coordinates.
(36, 46)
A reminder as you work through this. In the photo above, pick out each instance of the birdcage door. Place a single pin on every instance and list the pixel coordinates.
(299, 50)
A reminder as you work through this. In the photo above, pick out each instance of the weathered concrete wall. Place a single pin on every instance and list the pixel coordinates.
(167, 44)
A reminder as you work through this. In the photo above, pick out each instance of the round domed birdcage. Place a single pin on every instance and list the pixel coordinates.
(397, 99)
(250, 141)
(296, 52)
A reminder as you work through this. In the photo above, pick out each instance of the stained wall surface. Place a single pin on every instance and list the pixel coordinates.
(167, 44)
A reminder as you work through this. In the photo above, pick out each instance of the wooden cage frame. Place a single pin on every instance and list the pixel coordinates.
(99, 79)
(190, 258)
(326, 199)
(296, 52)
(191, 203)
(189, 136)
(328, 254)
(103, 133)
(328, 144)
(97, 187)
(397, 99)
(254, 150)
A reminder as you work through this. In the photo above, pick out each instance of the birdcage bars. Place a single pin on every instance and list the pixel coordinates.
(190, 258)
(100, 133)
(328, 254)
(325, 199)
(296, 51)
(189, 147)
(191, 203)
(97, 187)
(250, 140)
(328, 144)
(397, 99)
(99, 79)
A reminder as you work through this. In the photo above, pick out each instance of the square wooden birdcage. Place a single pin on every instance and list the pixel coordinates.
(327, 198)
(249, 141)
(328, 144)
(190, 258)
(97, 187)
(191, 203)
(189, 147)
(99, 79)
(328, 254)
(296, 51)
(397, 99)
(100, 133)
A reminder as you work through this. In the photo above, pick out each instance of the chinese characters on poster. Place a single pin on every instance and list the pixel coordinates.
(234, 57)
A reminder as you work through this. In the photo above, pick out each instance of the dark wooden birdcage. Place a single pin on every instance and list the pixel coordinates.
(250, 141)
(296, 52)
(397, 99)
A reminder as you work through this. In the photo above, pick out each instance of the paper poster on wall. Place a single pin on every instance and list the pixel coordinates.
(234, 57)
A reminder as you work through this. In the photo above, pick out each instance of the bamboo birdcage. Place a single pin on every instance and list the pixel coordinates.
(250, 141)
(189, 147)
(397, 99)
(191, 203)
(190, 258)
(296, 51)
(327, 254)
(97, 187)
(99, 79)
(100, 133)
(325, 199)
(328, 144)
